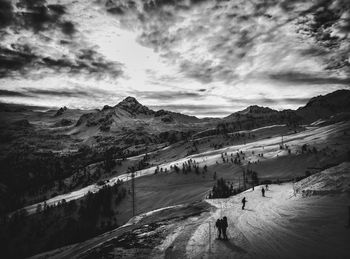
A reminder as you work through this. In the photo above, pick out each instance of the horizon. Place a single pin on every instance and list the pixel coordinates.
(201, 58)
(152, 107)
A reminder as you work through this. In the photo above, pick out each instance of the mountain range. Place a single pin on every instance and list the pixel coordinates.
(131, 122)
(319, 107)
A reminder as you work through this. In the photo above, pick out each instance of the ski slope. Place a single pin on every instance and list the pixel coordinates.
(279, 225)
(269, 147)
(283, 224)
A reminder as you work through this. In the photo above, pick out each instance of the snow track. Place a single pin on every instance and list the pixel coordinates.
(279, 225)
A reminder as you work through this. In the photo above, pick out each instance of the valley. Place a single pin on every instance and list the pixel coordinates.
(79, 182)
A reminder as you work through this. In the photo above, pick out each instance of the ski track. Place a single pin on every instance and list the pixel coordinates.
(279, 225)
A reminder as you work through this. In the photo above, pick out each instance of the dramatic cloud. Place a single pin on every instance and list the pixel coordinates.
(167, 95)
(303, 78)
(37, 39)
(21, 60)
(64, 93)
(12, 93)
(179, 54)
(6, 13)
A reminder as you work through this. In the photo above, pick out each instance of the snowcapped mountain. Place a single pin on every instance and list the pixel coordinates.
(130, 111)
(131, 121)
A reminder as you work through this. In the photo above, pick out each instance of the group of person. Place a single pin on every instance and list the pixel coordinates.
(221, 224)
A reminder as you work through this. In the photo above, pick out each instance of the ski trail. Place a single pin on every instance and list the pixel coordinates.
(273, 226)
(178, 247)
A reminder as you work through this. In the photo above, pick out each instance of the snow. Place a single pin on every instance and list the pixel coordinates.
(138, 218)
(283, 224)
(333, 180)
(276, 226)
(170, 239)
(270, 148)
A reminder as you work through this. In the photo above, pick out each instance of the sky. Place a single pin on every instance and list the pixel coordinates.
(203, 58)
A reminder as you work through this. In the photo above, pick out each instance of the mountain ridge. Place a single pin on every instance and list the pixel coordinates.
(337, 101)
(330, 101)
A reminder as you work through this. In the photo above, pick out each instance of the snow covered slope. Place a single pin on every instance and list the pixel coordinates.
(280, 225)
(333, 180)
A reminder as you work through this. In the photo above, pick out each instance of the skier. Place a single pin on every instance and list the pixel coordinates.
(243, 203)
(267, 187)
(224, 227)
(263, 191)
(218, 225)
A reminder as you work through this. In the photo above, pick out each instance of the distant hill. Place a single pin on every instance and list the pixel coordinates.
(325, 106)
(255, 117)
(321, 107)
(251, 111)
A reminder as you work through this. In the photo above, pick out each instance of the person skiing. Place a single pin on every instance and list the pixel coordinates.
(263, 191)
(243, 203)
(218, 225)
(267, 187)
(224, 227)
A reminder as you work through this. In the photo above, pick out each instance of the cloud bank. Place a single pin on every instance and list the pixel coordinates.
(179, 55)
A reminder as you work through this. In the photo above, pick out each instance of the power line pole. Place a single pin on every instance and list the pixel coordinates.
(209, 238)
(133, 192)
(244, 180)
(349, 217)
(294, 190)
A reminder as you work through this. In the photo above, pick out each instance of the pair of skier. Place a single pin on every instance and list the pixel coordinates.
(221, 225)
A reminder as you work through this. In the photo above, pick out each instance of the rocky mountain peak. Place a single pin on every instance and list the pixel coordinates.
(131, 100)
(60, 111)
(257, 109)
(131, 105)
